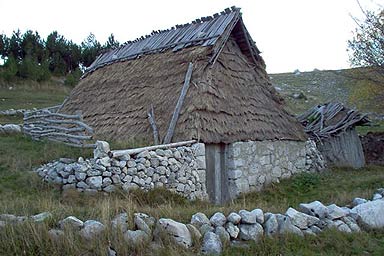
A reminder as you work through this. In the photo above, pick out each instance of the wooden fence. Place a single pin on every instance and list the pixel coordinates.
(48, 124)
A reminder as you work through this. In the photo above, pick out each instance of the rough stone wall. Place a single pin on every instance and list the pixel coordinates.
(254, 164)
(180, 169)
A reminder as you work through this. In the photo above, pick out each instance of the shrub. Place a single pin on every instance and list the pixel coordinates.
(10, 69)
(73, 78)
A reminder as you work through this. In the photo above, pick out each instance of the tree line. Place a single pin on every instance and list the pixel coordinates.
(29, 56)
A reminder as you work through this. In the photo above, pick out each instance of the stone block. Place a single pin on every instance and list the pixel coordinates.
(101, 150)
(198, 149)
(200, 160)
(234, 174)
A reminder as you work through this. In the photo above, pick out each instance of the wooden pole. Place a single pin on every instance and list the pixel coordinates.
(176, 113)
(151, 118)
(117, 153)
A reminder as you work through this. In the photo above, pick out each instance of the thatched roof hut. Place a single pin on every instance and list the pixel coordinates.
(332, 126)
(230, 97)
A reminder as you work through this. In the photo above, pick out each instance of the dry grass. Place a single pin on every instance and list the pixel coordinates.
(22, 193)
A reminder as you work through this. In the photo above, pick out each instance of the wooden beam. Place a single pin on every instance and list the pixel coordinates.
(176, 113)
(152, 122)
(117, 153)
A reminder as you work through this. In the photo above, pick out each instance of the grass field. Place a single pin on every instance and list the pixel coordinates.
(23, 193)
(28, 95)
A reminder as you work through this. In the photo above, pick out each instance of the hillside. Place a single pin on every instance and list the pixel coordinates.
(356, 87)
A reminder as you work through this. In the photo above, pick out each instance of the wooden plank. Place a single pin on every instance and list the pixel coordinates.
(51, 121)
(176, 113)
(152, 122)
(64, 135)
(118, 153)
(77, 117)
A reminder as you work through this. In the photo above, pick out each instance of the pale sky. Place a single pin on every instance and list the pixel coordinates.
(291, 34)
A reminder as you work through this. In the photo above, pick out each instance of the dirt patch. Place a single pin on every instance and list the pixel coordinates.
(373, 146)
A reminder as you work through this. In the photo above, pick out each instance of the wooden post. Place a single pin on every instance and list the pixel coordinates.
(176, 113)
(117, 153)
(151, 119)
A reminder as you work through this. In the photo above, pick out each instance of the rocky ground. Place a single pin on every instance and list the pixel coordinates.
(303, 90)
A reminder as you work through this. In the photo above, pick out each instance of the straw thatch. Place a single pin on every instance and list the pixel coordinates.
(227, 101)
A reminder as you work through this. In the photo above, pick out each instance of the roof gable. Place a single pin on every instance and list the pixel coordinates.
(206, 31)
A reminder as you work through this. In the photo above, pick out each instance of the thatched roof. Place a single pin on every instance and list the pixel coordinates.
(330, 119)
(230, 97)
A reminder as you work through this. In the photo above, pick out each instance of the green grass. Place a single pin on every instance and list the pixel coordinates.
(375, 126)
(29, 94)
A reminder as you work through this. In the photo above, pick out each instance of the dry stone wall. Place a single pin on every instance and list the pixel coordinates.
(254, 164)
(180, 169)
(216, 233)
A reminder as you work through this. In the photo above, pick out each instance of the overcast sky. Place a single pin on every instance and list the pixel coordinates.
(294, 34)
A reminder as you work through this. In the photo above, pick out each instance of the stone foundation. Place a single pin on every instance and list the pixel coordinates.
(254, 164)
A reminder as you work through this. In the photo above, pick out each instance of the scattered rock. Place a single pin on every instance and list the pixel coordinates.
(206, 228)
(41, 217)
(218, 219)
(371, 213)
(12, 218)
(55, 234)
(223, 235)
(259, 215)
(271, 225)
(351, 224)
(301, 220)
(10, 129)
(247, 217)
(377, 196)
(141, 225)
(234, 218)
(232, 230)
(315, 229)
(285, 225)
(316, 209)
(250, 231)
(335, 212)
(71, 222)
(136, 238)
(120, 222)
(92, 229)
(211, 244)
(176, 231)
(111, 251)
(195, 233)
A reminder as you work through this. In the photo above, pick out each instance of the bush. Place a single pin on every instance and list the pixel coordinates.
(73, 78)
(10, 69)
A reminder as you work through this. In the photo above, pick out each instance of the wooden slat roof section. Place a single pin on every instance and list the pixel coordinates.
(206, 31)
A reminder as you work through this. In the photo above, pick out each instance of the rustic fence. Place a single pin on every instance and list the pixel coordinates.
(48, 124)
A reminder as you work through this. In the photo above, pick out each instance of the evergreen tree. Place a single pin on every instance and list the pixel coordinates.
(91, 48)
(14, 48)
(111, 43)
(10, 69)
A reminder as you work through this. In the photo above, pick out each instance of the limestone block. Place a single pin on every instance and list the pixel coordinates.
(101, 150)
(198, 149)
(234, 174)
(211, 244)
